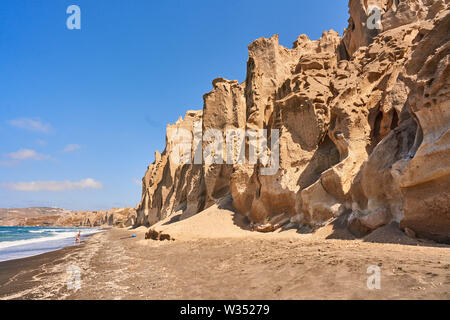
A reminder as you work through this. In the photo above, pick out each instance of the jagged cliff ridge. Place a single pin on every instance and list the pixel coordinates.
(364, 129)
(115, 217)
(123, 217)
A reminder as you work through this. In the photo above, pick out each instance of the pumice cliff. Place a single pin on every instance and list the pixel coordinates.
(363, 124)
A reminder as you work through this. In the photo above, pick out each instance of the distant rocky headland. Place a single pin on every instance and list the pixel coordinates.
(55, 217)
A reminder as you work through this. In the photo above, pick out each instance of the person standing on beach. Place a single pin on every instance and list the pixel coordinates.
(77, 237)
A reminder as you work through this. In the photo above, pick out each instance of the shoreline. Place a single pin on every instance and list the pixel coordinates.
(29, 268)
(25, 248)
(113, 265)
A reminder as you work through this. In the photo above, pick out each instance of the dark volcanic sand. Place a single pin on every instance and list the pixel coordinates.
(115, 266)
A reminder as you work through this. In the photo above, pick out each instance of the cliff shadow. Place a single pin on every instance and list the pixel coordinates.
(339, 230)
(239, 220)
(392, 234)
(325, 157)
(175, 218)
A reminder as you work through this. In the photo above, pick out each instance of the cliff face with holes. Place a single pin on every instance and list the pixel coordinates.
(363, 124)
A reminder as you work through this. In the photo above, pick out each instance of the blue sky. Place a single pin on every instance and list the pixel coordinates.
(82, 111)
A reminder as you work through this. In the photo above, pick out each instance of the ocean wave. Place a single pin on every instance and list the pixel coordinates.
(38, 231)
(58, 230)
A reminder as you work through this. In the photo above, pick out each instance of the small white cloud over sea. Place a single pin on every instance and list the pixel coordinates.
(31, 125)
(27, 154)
(71, 148)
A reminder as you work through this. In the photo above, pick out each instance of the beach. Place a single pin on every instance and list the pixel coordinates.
(195, 151)
(114, 265)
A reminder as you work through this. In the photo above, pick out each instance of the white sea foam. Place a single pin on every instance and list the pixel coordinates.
(39, 231)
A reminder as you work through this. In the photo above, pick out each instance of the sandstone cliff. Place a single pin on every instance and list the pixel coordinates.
(116, 217)
(124, 217)
(363, 123)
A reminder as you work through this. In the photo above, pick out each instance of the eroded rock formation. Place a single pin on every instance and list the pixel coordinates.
(117, 217)
(363, 124)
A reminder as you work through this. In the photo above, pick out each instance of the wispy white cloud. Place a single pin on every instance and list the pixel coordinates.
(31, 124)
(137, 181)
(27, 154)
(53, 186)
(41, 142)
(71, 148)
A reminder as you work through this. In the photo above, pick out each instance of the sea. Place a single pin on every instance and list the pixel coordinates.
(21, 242)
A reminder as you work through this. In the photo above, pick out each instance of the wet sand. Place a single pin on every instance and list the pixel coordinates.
(115, 266)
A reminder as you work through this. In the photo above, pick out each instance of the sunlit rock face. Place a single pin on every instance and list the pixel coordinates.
(362, 122)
